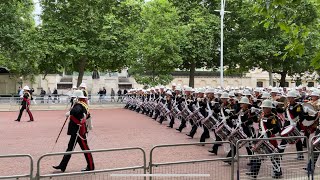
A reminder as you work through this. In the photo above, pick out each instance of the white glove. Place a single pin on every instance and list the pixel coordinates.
(254, 99)
(228, 111)
(68, 114)
(253, 109)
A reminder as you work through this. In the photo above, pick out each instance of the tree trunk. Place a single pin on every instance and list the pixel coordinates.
(81, 69)
(283, 78)
(270, 79)
(191, 75)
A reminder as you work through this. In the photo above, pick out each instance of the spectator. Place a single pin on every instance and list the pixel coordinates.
(125, 92)
(101, 94)
(55, 95)
(31, 94)
(19, 89)
(42, 94)
(119, 95)
(21, 93)
(112, 95)
(104, 91)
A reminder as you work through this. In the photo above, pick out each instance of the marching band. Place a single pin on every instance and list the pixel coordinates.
(233, 114)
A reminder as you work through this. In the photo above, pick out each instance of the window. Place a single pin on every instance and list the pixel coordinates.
(274, 84)
(310, 84)
(286, 84)
(259, 84)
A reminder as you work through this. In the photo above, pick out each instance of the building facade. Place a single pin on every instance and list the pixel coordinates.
(256, 78)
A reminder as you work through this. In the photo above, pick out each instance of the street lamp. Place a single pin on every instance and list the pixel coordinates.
(222, 11)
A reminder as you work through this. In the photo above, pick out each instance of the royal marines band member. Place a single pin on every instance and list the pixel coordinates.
(77, 129)
(294, 116)
(177, 102)
(83, 87)
(160, 97)
(168, 103)
(199, 101)
(247, 117)
(224, 110)
(25, 104)
(188, 99)
(268, 127)
(311, 122)
(315, 102)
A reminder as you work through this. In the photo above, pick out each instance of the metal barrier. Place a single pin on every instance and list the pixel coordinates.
(62, 99)
(314, 158)
(283, 163)
(29, 176)
(74, 174)
(206, 171)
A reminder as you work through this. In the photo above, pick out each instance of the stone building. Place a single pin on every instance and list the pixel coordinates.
(10, 84)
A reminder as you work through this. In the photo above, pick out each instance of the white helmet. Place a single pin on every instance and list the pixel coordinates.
(79, 94)
(225, 95)
(26, 88)
(266, 104)
(265, 95)
(231, 94)
(83, 85)
(210, 90)
(292, 94)
(315, 93)
(244, 100)
(246, 93)
(274, 90)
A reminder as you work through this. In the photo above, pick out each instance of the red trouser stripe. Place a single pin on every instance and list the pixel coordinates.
(30, 114)
(87, 154)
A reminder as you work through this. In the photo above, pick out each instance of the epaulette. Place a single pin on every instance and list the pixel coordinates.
(84, 105)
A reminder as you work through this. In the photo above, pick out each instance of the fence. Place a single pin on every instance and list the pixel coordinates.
(191, 169)
(93, 173)
(15, 156)
(264, 164)
(315, 151)
(267, 163)
(63, 99)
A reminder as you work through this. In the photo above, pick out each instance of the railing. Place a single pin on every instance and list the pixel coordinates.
(62, 99)
(264, 164)
(282, 164)
(15, 156)
(197, 168)
(133, 169)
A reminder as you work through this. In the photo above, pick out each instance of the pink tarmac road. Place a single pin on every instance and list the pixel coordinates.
(113, 128)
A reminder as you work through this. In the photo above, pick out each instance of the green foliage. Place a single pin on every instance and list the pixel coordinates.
(154, 51)
(18, 46)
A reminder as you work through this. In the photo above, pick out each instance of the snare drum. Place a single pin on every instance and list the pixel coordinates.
(316, 144)
(195, 117)
(223, 131)
(176, 112)
(208, 124)
(290, 131)
(264, 147)
(185, 113)
(236, 135)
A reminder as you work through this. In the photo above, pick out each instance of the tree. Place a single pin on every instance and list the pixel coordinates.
(276, 46)
(199, 49)
(72, 34)
(154, 50)
(18, 46)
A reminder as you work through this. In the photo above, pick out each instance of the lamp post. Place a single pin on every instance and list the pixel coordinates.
(222, 12)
